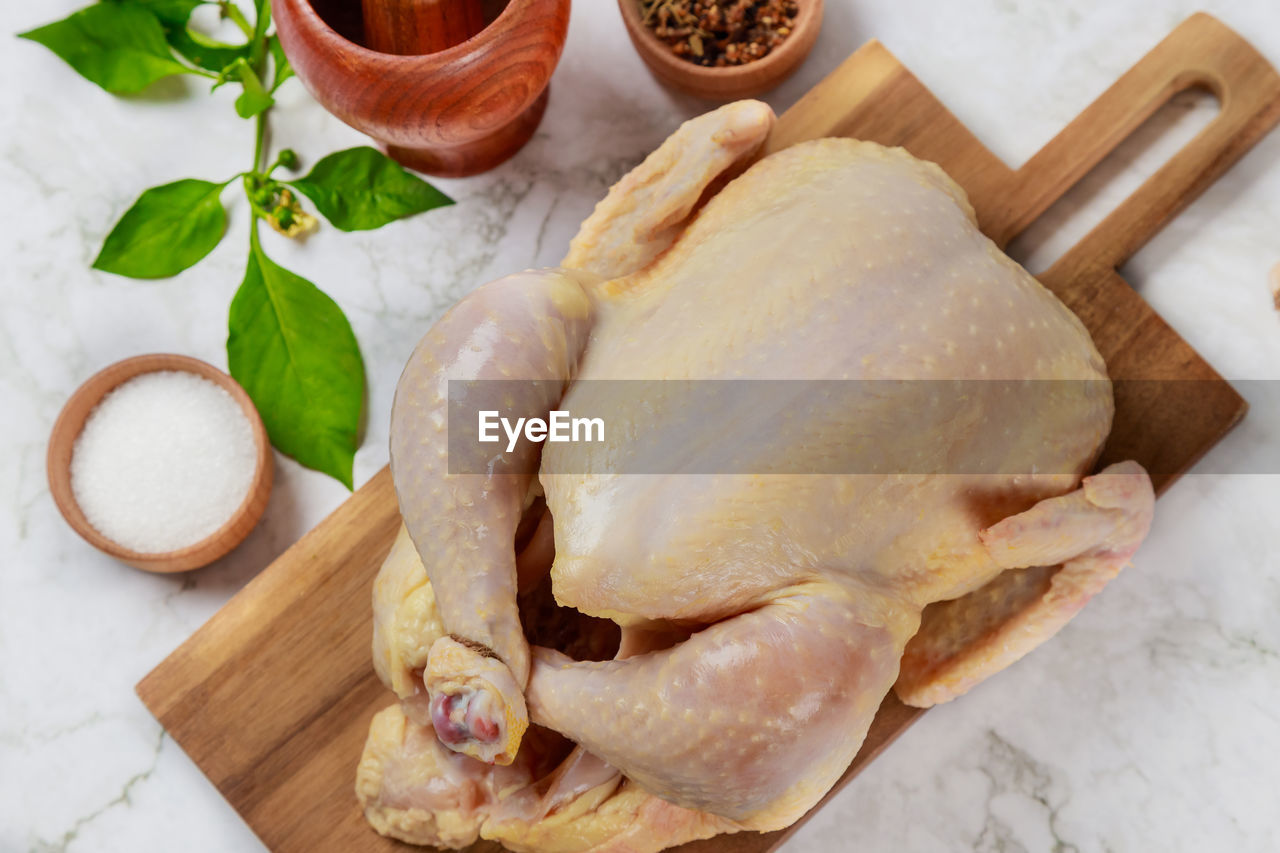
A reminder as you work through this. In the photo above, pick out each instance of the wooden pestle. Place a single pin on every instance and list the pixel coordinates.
(415, 27)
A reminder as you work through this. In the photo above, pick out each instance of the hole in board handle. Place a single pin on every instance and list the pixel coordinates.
(1114, 179)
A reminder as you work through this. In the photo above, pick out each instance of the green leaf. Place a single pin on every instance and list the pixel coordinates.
(202, 51)
(170, 12)
(168, 229)
(361, 188)
(293, 350)
(254, 99)
(119, 46)
(194, 46)
(282, 70)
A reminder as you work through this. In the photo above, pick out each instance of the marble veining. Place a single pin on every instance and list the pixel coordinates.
(1150, 723)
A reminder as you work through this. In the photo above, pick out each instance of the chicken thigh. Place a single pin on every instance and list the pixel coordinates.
(771, 562)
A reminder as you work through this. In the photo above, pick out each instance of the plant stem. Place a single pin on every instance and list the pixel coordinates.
(275, 164)
(237, 17)
(259, 40)
(259, 154)
(260, 140)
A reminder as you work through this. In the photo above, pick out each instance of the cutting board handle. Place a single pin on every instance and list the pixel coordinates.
(1202, 52)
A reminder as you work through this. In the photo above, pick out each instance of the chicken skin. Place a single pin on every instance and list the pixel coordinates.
(776, 561)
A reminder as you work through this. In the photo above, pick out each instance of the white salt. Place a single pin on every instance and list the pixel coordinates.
(163, 461)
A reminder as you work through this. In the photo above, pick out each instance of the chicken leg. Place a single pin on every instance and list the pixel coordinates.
(645, 211)
(1092, 532)
(531, 326)
(753, 718)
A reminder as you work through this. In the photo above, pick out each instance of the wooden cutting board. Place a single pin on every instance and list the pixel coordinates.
(272, 698)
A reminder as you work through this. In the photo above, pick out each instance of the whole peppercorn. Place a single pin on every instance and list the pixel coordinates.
(718, 33)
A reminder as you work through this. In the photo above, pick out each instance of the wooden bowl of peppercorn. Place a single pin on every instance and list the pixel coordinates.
(722, 50)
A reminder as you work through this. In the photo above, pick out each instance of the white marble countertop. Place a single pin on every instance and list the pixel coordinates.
(1151, 723)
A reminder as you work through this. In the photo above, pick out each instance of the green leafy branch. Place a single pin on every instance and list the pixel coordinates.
(288, 343)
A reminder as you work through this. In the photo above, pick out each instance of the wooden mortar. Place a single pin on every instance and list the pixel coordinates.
(449, 111)
(415, 27)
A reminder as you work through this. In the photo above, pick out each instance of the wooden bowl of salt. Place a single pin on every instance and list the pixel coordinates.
(160, 461)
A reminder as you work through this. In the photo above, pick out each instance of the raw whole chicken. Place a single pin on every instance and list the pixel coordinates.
(726, 638)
